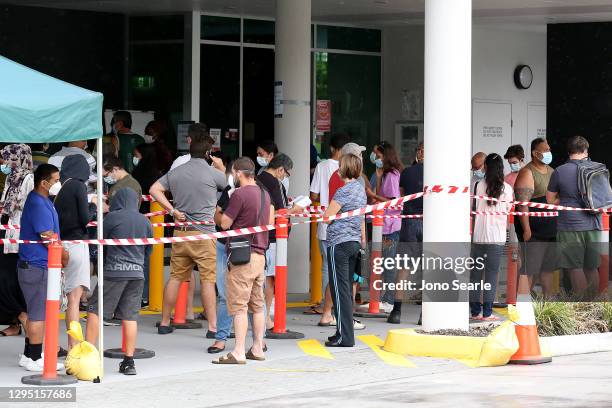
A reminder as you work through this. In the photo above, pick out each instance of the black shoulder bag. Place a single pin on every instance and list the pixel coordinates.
(239, 248)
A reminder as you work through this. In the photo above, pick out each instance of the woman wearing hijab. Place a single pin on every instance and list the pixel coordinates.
(17, 166)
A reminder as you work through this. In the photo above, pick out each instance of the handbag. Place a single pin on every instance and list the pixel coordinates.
(239, 248)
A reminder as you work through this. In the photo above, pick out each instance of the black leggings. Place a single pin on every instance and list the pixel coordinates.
(342, 259)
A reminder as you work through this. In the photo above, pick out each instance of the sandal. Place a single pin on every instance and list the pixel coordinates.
(228, 359)
(3, 333)
(332, 322)
(313, 311)
(251, 356)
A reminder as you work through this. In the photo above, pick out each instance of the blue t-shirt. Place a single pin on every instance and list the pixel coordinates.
(351, 196)
(38, 216)
(564, 181)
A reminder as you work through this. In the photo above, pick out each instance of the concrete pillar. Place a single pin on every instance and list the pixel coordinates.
(191, 71)
(448, 46)
(292, 120)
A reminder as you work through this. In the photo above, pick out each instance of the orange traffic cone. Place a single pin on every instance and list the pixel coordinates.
(526, 329)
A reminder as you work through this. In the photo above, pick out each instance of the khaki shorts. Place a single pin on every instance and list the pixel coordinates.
(185, 255)
(244, 286)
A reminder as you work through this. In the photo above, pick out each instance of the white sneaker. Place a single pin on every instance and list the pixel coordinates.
(23, 360)
(357, 325)
(38, 365)
(386, 307)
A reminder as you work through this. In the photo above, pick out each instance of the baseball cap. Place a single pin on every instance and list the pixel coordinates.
(352, 148)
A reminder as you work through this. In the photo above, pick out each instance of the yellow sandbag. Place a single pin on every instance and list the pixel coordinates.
(501, 344)
(83, 360)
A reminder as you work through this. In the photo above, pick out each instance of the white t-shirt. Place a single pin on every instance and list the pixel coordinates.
(180, 160)
(320, 185)
(491, 229)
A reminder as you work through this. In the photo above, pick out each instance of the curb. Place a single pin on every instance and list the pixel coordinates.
(576, 344)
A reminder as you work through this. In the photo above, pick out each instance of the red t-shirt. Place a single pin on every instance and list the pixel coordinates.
(243, 207)
(335, 182)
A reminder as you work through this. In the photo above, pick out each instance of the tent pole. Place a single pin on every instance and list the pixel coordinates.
(100, 216)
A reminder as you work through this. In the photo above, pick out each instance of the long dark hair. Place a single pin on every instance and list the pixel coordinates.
(390, 159)
(494, 176)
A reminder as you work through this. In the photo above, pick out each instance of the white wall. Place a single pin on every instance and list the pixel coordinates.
(495, 54)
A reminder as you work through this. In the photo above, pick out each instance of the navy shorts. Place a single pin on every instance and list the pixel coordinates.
(33, 283)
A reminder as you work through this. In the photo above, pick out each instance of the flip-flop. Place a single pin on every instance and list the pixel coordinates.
(228, 359)
(491, 318)
(328, 324)
(312, 311)
(251, 356)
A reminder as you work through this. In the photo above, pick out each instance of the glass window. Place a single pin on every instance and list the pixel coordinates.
(220, 28)
(352, 85)
(156, 86)
(348, 38)
(258, 97)
(149, 28)
(258, 31)
(220, 93)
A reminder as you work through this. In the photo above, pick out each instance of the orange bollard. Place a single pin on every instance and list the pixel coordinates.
(374, 305)
(180, 310)
(604, 266)
(52, 311)
(526, 329)
(280, 282)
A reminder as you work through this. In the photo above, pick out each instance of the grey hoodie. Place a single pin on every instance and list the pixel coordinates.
(125, 262)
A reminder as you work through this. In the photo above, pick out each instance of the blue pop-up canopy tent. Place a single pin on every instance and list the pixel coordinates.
(37, 108)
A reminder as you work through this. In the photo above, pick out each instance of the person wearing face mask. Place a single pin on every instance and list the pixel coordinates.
(74, 214)
(477, 169)
(388, 170)
(538, 233)
(248, 206)
(17, 166)
(126, 139)
(117, 178)
(272, 178)
(155, 132)
(266, 150)
(39, 222)
(516, 159)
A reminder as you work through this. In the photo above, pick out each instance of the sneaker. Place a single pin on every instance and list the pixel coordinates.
(385, 307)
(112, 322)
(23, 360)
(38, 365)
(62, 353)
(127, 367)
(394, 317)
(357, 325)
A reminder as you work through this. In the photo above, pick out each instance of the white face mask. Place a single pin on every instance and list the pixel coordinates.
(55, 189)
(262, 161)
(148, 139)
(230, 181)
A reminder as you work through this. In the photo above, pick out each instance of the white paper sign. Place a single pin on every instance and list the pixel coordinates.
(278, 99)
(492, 128)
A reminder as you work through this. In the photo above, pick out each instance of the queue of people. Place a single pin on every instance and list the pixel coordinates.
(237, 274)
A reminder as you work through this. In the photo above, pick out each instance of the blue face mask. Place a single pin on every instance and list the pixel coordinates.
(109, 180)
(378, 163)
(373, 158)
(547, 157)
(515, 167)
(135, 160)
(478, 174)
(6, 169)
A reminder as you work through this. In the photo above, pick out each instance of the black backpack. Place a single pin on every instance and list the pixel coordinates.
(594, 184)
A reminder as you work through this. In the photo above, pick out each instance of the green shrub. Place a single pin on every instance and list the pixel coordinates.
(555, 318)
